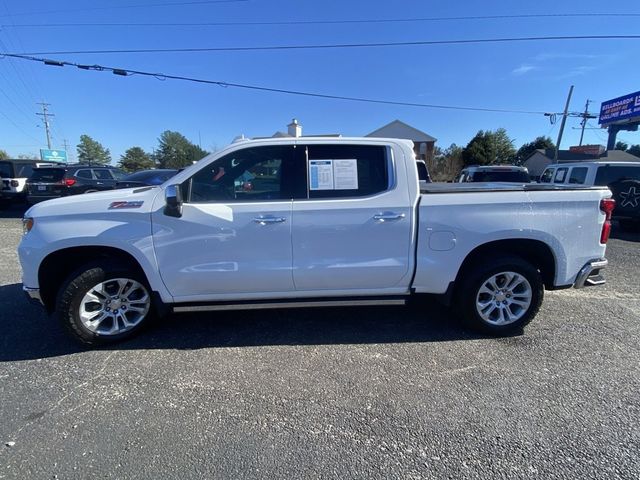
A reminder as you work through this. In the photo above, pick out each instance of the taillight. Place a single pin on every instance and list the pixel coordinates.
(69, 182)
(15, 183)
(606, 206)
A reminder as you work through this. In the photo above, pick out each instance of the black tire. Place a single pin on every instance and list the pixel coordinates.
(475, 277)
(79, 283)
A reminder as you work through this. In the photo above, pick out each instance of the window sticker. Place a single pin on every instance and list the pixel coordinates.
(345, 174)
(333, 174)
(320, 174)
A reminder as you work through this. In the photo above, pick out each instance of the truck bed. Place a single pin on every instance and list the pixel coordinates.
(473, 187)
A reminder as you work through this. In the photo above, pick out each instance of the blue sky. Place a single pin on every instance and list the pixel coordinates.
(122, 112)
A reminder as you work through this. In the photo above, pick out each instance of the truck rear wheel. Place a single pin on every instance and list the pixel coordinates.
(500, 295)
(102, 303)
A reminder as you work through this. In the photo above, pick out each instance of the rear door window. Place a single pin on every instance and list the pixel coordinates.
(578, 175)
(342, 171)
(84, 173)
(561, 175)
(102, 174)
(47, 175)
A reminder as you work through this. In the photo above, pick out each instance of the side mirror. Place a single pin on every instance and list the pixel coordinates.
(173, 198)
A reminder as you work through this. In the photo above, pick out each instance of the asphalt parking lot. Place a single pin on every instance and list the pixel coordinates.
(332, 393)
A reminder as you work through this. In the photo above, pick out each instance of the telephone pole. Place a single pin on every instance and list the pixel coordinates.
(585, 116)
(565, 114)
(65, 143)
(45, 118)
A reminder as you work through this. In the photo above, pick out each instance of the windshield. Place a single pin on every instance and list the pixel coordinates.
(502, 176)
(47, 175)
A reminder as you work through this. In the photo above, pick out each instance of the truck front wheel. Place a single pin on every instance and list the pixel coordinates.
(103, 303)
(500, 295)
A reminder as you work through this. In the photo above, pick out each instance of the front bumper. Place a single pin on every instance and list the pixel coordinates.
(590, 275)
(33, 294)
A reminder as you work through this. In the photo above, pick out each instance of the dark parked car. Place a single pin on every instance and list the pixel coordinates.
(53, 182)
(145, 178)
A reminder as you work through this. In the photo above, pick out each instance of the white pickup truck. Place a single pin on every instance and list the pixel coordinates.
(309, 222)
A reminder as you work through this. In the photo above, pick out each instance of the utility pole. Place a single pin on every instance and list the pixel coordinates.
(565, 114)
(585, 116)
(45, 118)
(65, 143)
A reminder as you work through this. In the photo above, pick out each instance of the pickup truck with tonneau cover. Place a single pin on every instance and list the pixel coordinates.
(306, 222)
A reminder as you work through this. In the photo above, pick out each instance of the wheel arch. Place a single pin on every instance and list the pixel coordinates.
(536, 252)
(56, 267)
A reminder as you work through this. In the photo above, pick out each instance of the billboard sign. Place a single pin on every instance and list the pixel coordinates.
(624, 109)
(595, 150)
(53, 155)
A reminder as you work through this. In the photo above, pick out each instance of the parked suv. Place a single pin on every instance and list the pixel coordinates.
(13, 178)
(60, 181)
(622, 178)
(494, 173)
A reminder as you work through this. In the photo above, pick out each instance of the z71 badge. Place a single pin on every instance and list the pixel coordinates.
(119, 205)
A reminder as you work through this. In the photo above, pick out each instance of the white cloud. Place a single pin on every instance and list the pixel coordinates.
(543, 57)
(522, 69)
(577, 71)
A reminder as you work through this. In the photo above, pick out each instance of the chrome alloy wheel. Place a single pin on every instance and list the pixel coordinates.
(114, 306)
(504, 298)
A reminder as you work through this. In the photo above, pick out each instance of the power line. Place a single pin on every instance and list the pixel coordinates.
(31, 72)
(340, 45)
(318, 22)
(18, 108)
(321, 22)
(161, 76)
(139, 5)
(3, 49)
(10, 120)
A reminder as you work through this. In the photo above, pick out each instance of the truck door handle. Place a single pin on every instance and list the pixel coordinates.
(386, 216)
(269, 220)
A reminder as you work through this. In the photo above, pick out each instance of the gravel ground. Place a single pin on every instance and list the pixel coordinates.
(331, 393)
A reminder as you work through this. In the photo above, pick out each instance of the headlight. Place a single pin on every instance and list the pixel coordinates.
(27, 224)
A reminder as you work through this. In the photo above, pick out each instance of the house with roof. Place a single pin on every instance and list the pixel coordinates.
(541, 158)
(423, 143)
